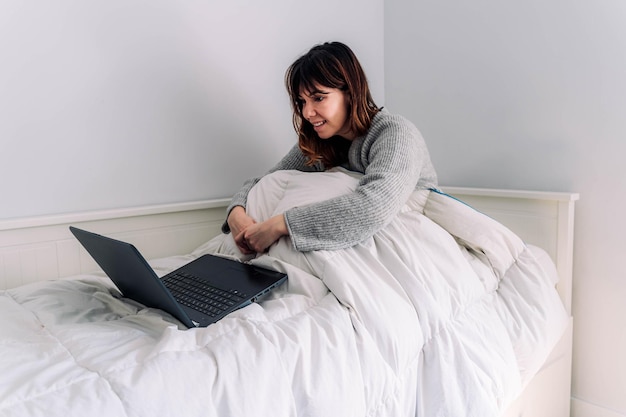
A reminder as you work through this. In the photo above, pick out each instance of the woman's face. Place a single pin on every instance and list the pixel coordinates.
(327, 110)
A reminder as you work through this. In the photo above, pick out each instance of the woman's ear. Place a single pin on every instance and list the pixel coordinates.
(347, 98)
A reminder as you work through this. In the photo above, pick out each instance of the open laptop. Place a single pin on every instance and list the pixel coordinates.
(197, 294)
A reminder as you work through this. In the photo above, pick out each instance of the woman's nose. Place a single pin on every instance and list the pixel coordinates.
(308, 111)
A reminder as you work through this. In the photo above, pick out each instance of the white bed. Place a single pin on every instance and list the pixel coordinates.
(366, 331)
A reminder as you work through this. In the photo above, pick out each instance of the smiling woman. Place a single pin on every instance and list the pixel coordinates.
(329, 68)
(338, 124)
(325, 109)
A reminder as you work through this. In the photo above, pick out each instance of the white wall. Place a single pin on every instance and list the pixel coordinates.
(532, 95)
(116, 103)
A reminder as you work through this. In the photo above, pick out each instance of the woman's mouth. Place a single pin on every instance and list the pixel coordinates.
(319, 124)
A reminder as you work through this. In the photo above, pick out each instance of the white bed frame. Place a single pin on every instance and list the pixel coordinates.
(546, 220)
(42, 248)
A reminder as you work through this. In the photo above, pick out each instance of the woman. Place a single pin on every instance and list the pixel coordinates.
(338, 124)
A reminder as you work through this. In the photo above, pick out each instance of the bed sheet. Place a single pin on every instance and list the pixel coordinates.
(444, 312)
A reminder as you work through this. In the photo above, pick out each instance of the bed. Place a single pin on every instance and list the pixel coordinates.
(445, 312)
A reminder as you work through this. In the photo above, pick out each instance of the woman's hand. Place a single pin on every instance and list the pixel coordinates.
(258, 237)
(239, 221)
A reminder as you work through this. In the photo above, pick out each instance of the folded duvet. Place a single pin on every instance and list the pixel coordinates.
(444, 312)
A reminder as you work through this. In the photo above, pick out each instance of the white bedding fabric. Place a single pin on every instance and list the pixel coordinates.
(443, 313)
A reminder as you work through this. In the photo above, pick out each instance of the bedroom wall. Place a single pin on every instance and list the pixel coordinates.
(120, 103)
(532, 95)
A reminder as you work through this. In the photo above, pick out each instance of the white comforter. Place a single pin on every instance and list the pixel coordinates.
(443, 313)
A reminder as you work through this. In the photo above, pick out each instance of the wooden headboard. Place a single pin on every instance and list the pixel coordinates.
(40, 248)
(543, 219)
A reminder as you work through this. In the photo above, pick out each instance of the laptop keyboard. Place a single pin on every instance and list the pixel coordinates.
(199, 295)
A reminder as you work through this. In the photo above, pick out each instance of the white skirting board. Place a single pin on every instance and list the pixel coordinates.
(581, 408)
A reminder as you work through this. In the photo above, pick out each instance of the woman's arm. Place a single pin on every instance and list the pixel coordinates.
(393, 158)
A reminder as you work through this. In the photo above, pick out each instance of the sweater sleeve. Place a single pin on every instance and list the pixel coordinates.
(392, 156)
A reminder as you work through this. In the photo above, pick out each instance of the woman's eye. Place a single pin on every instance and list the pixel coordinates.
(319, 98)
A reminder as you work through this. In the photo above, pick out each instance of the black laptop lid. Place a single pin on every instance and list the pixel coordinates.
(130, 272)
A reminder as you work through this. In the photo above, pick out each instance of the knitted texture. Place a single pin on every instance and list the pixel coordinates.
(394, 160)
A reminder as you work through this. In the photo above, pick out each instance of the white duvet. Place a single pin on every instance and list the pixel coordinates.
(443, 313)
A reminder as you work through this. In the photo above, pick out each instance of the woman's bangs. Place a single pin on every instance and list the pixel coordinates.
(309, 77)
(320, 71)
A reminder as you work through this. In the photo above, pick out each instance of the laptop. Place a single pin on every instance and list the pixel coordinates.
(197, 294)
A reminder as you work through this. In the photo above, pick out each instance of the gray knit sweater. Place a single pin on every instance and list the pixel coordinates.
(394, 160)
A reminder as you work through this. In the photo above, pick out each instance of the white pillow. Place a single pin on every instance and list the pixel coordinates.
(281, 190)
(475, 230)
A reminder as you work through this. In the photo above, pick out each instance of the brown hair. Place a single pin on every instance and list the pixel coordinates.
(331, 65)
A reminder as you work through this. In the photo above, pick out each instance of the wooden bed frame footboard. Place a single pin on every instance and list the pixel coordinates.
(42, 248)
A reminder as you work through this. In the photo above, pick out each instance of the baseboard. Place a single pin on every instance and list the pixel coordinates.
(581, 408)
